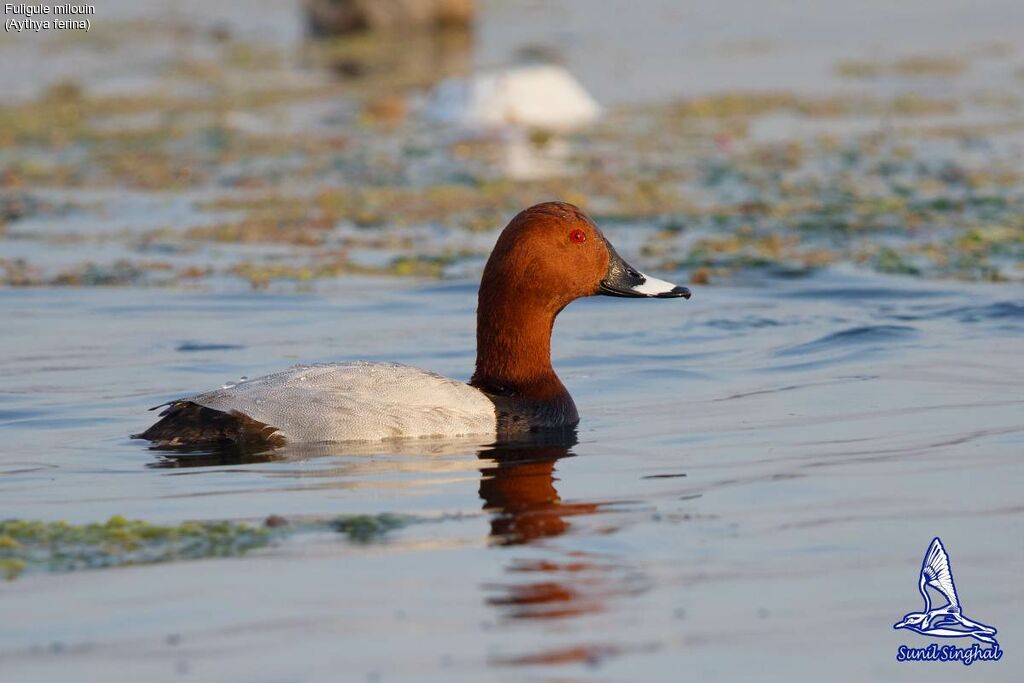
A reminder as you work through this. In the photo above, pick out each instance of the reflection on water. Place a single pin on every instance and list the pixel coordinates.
(432, 448)
(210, 457)
(519, 494)
(517, 486)
(518, 489)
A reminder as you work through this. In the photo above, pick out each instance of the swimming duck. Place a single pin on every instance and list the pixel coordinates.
(546, 257)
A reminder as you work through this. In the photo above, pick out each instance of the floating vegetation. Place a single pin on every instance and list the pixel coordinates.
(58, 546)
(939, 66)
(784, 256)
(888, 260)
(753, 104)
(61, 547)
(297, 176)
(365, 529)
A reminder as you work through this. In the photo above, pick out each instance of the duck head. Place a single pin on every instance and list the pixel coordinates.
(546, 257)
(553, 253)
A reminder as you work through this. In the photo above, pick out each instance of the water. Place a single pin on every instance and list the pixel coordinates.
(758, 470)
(757, 474)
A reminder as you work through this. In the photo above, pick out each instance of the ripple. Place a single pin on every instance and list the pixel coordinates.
(1000, 310)
(863, 293)
(191, 346)
(865, 335)
(15, 415)
(747, 323)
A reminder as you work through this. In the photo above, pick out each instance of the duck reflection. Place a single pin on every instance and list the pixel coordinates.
(518, 490)
(517, 485)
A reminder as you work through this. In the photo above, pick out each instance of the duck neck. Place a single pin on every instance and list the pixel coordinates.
(513, 355)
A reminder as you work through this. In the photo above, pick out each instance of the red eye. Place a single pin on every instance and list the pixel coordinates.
(578, 236)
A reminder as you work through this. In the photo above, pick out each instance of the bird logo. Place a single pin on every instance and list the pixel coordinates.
(947, 620)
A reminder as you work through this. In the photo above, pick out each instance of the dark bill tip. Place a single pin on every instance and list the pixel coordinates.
(624, 280)
(675, 292)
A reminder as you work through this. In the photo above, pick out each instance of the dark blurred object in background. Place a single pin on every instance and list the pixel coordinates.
(340, 17)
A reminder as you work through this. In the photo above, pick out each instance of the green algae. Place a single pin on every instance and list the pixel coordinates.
(27, 545)
(365, 529)
(59, 546)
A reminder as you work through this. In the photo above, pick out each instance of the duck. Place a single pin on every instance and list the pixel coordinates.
(547, 256)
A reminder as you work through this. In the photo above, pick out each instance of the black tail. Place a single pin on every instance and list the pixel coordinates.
(185, 423)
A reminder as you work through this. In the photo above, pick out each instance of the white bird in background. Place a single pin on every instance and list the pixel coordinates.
(535, 96)
(936, 622)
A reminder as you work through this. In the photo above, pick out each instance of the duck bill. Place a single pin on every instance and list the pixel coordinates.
(624, 280)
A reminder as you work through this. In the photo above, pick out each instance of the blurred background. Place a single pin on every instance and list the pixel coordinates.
(224, 144)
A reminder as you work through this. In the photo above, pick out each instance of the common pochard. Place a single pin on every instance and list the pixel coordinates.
(546, 257)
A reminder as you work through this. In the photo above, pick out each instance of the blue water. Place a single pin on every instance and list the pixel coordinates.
(758, 471)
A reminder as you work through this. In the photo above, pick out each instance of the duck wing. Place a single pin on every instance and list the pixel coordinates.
(936, 572)
(357, 401)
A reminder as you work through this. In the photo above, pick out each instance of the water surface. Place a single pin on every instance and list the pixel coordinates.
(757, 473)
